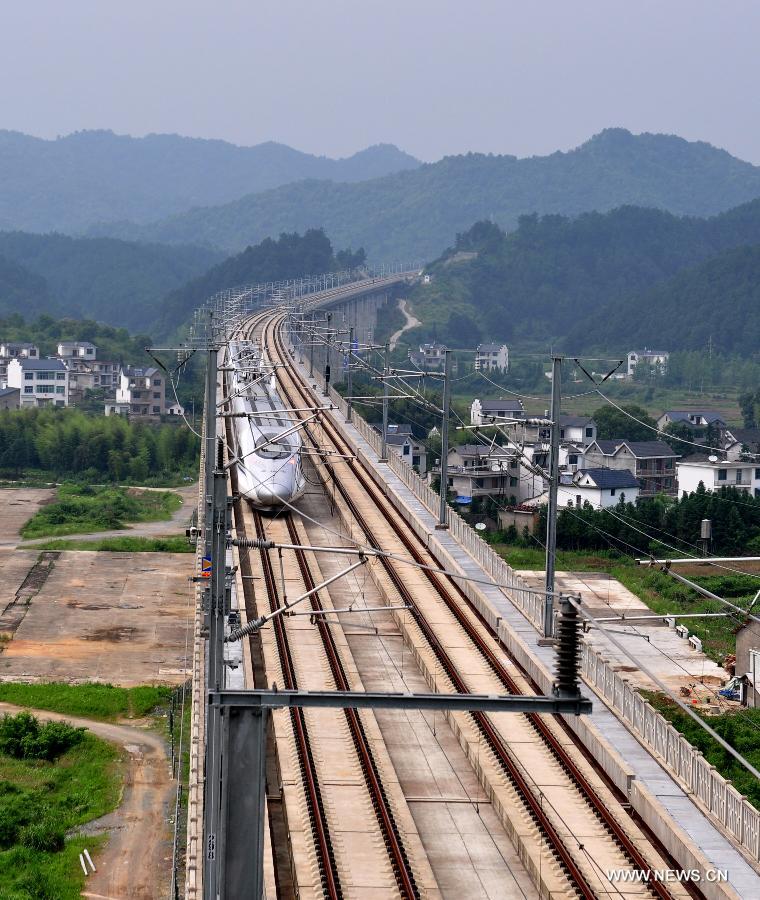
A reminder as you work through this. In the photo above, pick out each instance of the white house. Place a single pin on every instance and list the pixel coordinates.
(403, 443)
(77, 350)
(656, 359)
(715, 473)
(697, 418)
(492, 358)
(431, 356)
(600, 487)
(485, 411)
(42, 382)
(577, 429)
(482, 470)
(142, 390)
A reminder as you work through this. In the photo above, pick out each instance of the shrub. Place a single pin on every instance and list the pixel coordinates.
(46, 835)
(22, 737)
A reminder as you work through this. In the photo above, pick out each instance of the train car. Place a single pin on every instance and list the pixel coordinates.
(267, 446)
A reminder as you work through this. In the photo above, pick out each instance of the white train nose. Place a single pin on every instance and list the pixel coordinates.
(274, 495)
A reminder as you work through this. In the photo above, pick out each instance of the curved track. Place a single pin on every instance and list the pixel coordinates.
(570, 824)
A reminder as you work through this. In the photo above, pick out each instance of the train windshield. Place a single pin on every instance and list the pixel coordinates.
(270, 446)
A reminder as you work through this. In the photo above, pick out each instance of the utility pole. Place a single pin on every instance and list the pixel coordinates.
(384, 450)
(211, 376)
(311, 348)
(444, 486)
(349, 377)
(551, 514)
(327, 356)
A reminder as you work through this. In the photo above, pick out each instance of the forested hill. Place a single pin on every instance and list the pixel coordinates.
(416, 213)
(114, 281)
(716, 303)
(601, 281)
(75, 181)
(290, 256)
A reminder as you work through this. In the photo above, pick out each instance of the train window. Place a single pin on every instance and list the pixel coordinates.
(269, 447)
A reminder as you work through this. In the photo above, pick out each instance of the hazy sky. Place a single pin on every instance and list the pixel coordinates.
(433, 76)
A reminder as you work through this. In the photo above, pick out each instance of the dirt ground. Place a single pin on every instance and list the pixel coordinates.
(121, 618)
(18, 505)
(145, 808)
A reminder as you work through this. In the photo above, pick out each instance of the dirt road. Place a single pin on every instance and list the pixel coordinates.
(135, 864)
(411, 322)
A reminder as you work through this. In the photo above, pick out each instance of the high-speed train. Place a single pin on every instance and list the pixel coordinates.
(267, 441)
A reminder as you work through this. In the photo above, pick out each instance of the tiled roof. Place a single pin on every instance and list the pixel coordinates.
(490, 348)
(493, 405)
(575, 421)
(45, 365)
(609, 478)
(640, 449)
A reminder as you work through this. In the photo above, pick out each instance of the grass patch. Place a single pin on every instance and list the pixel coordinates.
(80, 509)
(167, 544)
(93, 701)
(740, 729)
(661, 593)
(39, 802)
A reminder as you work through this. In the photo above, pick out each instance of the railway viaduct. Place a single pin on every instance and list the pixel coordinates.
(422, 802)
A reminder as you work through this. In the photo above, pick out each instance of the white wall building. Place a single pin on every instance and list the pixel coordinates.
(744, 476)
(600, 487)
(485, 411)
(652, 358)
(42, 382)
(142, 390)
(77, 350)
(492, 358)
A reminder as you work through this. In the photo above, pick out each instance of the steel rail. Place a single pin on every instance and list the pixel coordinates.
(317, 813)
(391, 834)
(591, 796)
(533, 804)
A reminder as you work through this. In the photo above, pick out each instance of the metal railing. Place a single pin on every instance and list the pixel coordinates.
(735, 813)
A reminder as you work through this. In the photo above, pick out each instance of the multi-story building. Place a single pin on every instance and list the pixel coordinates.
(401, 440)
(577, 429)
(599, 487)
(479, 470)
(41, 382)
(77, 350)
(14, 350)
(715, 473)
(492, 358)
(142, 390)
(486, 411)
(652, 462)
(654, 359)
(742, 443)
(431, 357)
(697, 418)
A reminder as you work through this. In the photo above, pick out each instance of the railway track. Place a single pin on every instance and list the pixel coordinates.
(357, 844)
(573, 828)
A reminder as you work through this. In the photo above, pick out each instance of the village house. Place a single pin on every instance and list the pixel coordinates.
(742, 443)
(141, 391)
(697, 418)
(14, 350)
(482, 470)
(492, 358)
(486, 411)
(41, 382)
(715, 473)
(402, 442)
(653, 359)
(652, 462)
(431, 357)
(600, 487)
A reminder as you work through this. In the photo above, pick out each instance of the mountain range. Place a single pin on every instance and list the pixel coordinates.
(416, 213)
(601, 281)
(71, 183)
